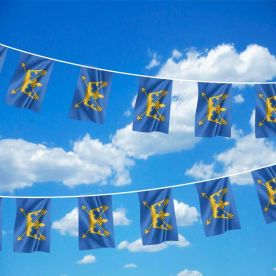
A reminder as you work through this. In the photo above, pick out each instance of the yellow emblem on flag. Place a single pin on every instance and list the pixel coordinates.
(269, 109)
(271, 193)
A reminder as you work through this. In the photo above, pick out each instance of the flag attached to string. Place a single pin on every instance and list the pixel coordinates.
(265, 115)
(95, 222)
(157, 217)
(265, 182)
(3, 52)
(91, 95)
(32, 225)
(213, 110)
(29, 83)
(217, 206)
(1, 215)
(152, 107)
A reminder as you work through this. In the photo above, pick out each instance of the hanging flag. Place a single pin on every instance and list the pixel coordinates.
(217, 205)
(265, 115)
(95, 222)
(157, 217)
(91, 96)
(3, 52)
(213, 110)
(1, 223)
(265, 182)
(152, 107)
(32, 225)
(29, 83)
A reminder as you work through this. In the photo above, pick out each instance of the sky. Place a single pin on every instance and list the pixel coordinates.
(46, 153)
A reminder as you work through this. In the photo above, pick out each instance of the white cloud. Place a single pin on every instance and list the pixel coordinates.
(155, 59)
(68, 225)
(137, 245)
(88, 259)
(247, 153)
(238, 99)
(23, 163)
(185, 215)
(222, 63)
(130, 266)
(187, 272)
(176, 54)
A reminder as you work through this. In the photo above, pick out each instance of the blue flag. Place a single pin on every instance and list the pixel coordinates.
(217, 206)
(95, 222)
(153, 104)
(265, 115)
(1, 215)
(213, 110)
(265, 182)
(32, 225)
(157, 217)
(3, 52)
(91, 95)
(29, 83)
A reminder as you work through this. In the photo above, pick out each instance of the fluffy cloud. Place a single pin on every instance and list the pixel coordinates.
(137, 245)
(23, 163)
(155, 60)
(187, 272)
(242, 156)
(88, 259)
(68, 225)
(130, 266)
(221, 63)
(185, 215)
(239, 98)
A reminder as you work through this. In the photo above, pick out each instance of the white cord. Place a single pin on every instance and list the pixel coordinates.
(132, 74)
(144, 190)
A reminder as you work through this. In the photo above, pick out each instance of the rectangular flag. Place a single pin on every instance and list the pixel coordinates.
(217, 206)
(95, 222)
(153, 104)
(213, 110)
(265, 182)
(1, 215)
(91, 95)
(3, 52)
(157, 217)
(32, 225)
(28, 84)
(265, 115)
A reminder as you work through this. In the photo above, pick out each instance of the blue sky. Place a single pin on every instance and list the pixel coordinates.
(47, 154)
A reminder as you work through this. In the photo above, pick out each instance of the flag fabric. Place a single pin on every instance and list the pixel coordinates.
(213, 110)
(152, 107)
(1, 215)
(28, 85)
(265, 115)
(95, 222)
(32, 225)
(157, 217)
(217, 206)
(265, 182)
(91, 95)
(3, 52)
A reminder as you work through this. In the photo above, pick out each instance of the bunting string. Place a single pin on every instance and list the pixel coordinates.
(146, 190)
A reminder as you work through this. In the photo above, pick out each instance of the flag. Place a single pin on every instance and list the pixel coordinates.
(265, 182)
(28, 85)
(91, 95)
(95, 222)
(213, 110)
(217, 206)
(32, 225)
(157, 217)
(265, 115)
(3, 52)
(1, 215)
(152, 107)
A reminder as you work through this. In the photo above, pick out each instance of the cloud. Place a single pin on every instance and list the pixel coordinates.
(176, 54)
(130, 266)
(137, 245)
(155, 60)
(68, 225)
(238, 99)
(23, 163)
(247, 153)
(185, 215)
(88, 259)
(187, 272)
(222, 63)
